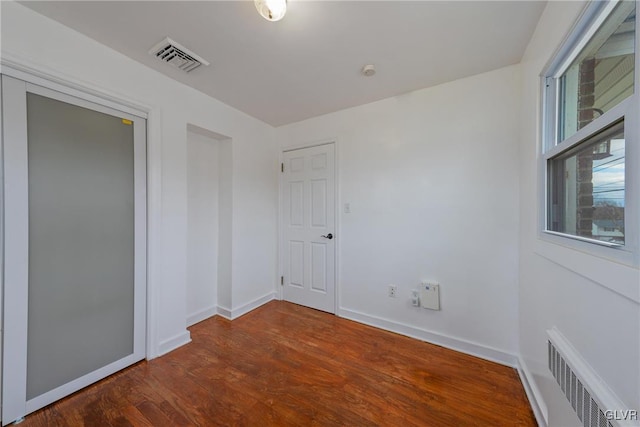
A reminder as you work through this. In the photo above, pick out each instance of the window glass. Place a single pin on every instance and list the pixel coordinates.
(601, 76)
(587, 188)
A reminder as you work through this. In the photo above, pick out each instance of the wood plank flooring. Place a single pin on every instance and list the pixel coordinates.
(286, 365)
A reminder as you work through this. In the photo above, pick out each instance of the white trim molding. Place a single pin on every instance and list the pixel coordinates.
(224, 312)
(232, 314)
(533, 393)
(201, 315)
(458, 344)
(38, 74)
(174, 342)
(154, 227)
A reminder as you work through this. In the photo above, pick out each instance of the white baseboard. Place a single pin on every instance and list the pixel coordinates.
(224, 312)
(533, 394)
(232, 314)
(453, 343)
(174, 342)
(201, 315)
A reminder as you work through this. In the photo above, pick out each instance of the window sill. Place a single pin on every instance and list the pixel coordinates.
(584, 239)
(617, 272)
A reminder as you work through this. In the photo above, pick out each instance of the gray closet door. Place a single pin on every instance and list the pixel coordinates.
(77, 285)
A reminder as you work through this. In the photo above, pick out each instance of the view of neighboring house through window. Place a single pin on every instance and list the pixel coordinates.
(586, 170)
(587, 188)
(601, 75)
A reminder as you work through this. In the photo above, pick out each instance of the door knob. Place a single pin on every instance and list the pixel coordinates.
(328, 236)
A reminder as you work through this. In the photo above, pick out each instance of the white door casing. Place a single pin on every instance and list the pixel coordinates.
(309, 227)
(15, 400)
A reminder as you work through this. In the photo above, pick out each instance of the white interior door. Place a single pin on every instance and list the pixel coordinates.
(74, 244)
(309, 241)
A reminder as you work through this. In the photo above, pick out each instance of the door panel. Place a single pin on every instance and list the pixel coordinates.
(81, 242)
(319, 266)
(296, 270)
(319, 203)
(296, 191)
(309, 214)
(75, 300)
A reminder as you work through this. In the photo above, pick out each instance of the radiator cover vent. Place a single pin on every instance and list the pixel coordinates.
(591, 399)
(177, 55)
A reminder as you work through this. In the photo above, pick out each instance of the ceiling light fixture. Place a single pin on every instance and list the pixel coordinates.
(272, 10)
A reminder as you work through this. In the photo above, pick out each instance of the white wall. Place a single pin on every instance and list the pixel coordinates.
(432, 179)
(225, 226)
(202, 226)
(561, 287)
(36, 41)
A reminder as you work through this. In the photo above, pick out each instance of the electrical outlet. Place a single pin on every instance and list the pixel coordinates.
(393, 290)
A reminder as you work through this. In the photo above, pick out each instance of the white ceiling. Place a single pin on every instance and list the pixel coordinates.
(309, 63)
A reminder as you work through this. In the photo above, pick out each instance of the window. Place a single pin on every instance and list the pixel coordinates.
(601, 75)
(586, 188)
(589, 99)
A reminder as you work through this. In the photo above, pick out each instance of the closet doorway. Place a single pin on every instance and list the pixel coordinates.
(74, 196)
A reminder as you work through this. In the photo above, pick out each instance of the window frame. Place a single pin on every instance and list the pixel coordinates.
(592, 17)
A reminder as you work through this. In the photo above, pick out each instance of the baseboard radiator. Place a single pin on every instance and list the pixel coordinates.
(590, 397)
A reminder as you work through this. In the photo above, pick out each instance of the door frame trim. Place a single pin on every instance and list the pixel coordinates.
(15, 91)
(36, 73)
(337, 232)
(17, 257)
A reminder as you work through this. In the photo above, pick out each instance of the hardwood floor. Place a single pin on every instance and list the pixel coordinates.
(286, 365)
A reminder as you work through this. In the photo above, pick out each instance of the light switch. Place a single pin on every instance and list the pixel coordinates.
(347, 208)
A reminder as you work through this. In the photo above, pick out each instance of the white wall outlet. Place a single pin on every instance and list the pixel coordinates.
(430, 295)
(393, 290)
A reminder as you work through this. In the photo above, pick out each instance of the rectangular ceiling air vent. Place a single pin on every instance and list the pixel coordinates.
(177, 55)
